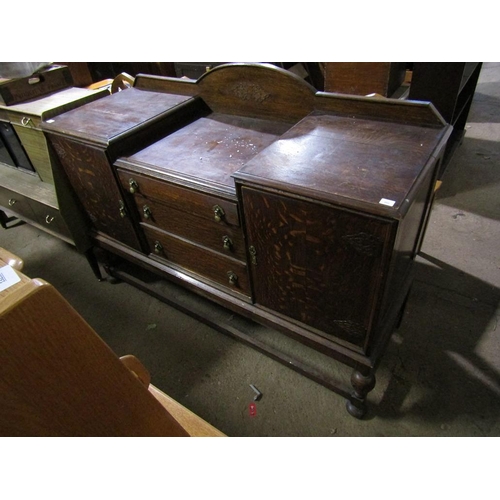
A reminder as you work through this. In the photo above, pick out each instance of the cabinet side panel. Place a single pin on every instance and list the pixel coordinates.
(93, 181)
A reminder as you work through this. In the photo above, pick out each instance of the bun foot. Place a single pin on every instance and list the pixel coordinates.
(356, 410)
(362, 385)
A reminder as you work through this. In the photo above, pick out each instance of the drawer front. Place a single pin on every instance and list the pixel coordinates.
(230, 273)
(50, 218)
(32, 211)
(17, 204)
(203, 205)
(222, 238)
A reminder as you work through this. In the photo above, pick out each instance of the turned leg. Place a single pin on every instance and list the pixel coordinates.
(362, 385)
(94, 264)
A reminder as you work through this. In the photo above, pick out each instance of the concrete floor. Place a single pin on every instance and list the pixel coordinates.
(440, 375)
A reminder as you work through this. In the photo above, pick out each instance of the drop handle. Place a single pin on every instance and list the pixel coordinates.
(218, 213)
(227, 243)
(123, 212)
(49, 218)
(26, 122)
(133, 186)
(233, 278)
(158, 247)
(147, 212)
(12, 202)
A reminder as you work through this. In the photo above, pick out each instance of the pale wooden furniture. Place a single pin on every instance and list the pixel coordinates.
(59, 378)
(33, 188)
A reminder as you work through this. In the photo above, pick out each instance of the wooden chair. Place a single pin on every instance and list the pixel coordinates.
(59, 378)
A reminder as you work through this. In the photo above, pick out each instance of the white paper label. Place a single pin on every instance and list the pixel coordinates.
(8, 277)
(385, 201)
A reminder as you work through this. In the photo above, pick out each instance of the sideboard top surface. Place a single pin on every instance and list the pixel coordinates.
(103, 120)
(364, 161)
(209, 149)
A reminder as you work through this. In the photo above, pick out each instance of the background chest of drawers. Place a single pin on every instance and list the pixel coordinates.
(302, 210)
(33, 187)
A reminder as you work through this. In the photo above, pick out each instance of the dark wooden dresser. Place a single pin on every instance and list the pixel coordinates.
(301, 210)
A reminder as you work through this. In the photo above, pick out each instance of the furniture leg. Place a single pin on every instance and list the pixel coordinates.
(94, 264)
(362, 385)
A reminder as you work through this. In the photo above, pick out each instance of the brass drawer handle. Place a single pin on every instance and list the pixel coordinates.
(233, 278)
(123, 212)
(227, 243)
(253, 255)
(49, 218)
(218, 213)
(26, 122)
(12, 202)
(158, 247)
(133, 186)
(147, 212)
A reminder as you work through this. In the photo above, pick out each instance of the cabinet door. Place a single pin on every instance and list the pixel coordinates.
(92, 179)
(319, 265)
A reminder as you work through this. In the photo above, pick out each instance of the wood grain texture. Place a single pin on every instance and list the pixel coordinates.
(91, 177)
(355, 162)
(210, 149)
(321, 266)
(363, 78)
(192, 201)
(199, 260)
(58, 378)
(45, 81)
(35, 145)
(45, 108)
(201, 230)
(192, 423)
(256, 90)
(103, 121)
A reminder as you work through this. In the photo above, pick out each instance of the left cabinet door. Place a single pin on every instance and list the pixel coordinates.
(92, 178)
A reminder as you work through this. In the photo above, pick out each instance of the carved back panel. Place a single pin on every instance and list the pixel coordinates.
(257, 90)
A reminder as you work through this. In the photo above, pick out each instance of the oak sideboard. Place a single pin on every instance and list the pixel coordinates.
(301, 210)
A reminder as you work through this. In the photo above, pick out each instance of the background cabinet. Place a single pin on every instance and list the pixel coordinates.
(450, 86)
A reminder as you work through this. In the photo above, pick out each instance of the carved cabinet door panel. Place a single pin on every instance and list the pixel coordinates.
(92, 179)
(319, 265)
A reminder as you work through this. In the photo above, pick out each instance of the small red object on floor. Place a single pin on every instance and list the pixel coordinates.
(252, 409)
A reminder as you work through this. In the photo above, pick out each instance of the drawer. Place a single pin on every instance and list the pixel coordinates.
(32, 211)
(221, 238)
(203, 205)
(50, 219)
(16, 203)
(225, 271)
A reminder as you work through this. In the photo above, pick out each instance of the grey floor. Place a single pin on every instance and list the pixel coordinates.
(440, 375)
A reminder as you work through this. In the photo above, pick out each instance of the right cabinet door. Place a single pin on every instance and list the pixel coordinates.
(320, 265)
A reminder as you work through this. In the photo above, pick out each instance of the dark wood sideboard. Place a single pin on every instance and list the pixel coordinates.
(299, 209)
